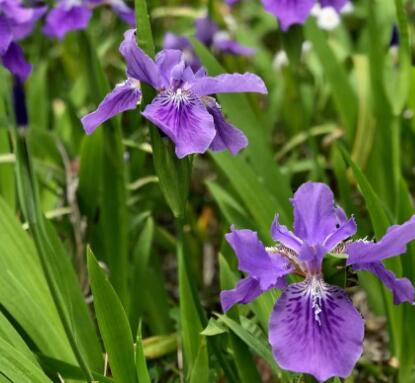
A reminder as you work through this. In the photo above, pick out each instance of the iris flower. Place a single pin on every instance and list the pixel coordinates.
(314, 327)
(208, 33)
(16, 23)
(289, 12)
(183, 108)
(71, 15)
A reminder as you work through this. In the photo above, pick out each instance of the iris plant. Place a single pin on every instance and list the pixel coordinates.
(183, 107)
(314, 327)
(16, 23)
(70, 15)
(208, 33)
(289, 12)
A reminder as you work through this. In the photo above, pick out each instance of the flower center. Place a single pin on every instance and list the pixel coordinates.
(178, 96)
(317, 290)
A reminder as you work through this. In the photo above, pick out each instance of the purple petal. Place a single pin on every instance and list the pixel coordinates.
(139, 65)
(253, 259)
(6, 36)
(315, 329)
(205, 30)
(314, 212)
(124, 11)
(281, 234)
(22, 30)
(183, 118)
(63, 19)
(123, 97)
(246, 291)
(402, 288)
(225, 44)
(172, 41)
(289, 12)
(15, 61)
(227, 136)
(336, 4)
(345, 230)
(393, 243)
(169, 61)
(229, 83)
(15, 11)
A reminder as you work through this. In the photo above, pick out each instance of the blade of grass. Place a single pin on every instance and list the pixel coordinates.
(113, 324)
(140, 359)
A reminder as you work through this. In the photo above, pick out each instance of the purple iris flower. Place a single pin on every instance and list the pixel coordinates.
(208, 33)
(314, 327)
(289, 12)
(183, 108)
(16, 23)
(71, 15)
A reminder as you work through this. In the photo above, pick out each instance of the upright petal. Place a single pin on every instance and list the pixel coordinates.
(124, 11)
(6, 36)
(22, 30)
(402, 288)
(393, 243)
(139, 65)
(280, 233)
(289, 12)
(315, 329)
(229, 83)
(205, 29)
(183, 118)
(246, 291)
(227, 136)
(314, 212)
(253, 259)
(15, 61)
(345, 230)
(124, 97)
(166, 60)
(63, 19)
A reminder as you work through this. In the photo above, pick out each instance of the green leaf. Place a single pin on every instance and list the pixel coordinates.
(200, 371)
(113, 324)
(140, 359)
(240, 112)
(173, 173)
(213, 328)
(17, 367)
(141, 256)
(68, 371)
(343, 93)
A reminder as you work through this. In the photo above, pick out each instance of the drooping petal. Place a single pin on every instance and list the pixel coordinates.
(253, 259)
(314, 212)
(336, 4)
(227, 136)
(205, 29)
(289, 12)
(6, 36)
(393, 243)
(229, 83)
(15, 11)
(315, 329)
(402, 288)
(184, 119)
(246, 291)
(63, 19)
(15, 61)
(280, 233)
(139, 65)
(123, 97)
